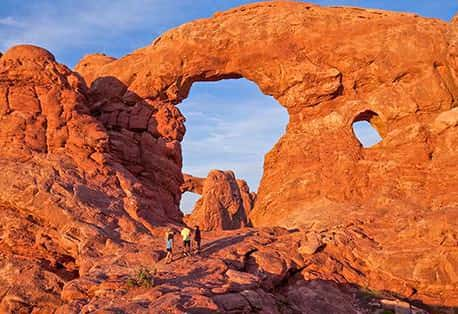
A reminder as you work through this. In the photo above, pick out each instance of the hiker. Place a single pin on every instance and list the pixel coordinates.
(197, 238)
(186, 234)
(169, 245)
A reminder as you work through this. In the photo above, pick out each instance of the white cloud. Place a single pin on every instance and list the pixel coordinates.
(250, 133)
(10, 21)
(65, 26)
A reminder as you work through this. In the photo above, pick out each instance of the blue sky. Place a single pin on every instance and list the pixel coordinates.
(71, 29)
(231, 125)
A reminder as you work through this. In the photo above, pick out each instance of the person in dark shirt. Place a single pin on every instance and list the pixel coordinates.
(197, 238)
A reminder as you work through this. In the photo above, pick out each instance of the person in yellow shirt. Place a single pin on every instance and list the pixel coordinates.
(186, 234)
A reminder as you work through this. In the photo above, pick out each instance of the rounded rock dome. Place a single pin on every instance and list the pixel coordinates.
(27, 52)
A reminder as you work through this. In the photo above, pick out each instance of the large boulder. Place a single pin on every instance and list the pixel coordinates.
(225, 204)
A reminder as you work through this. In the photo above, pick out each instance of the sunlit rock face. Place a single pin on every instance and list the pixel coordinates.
(329, 67)
(91, 161)
(63, 196)
(225, 204)
(397, 66)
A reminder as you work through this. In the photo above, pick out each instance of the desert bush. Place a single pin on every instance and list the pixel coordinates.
(143, 278)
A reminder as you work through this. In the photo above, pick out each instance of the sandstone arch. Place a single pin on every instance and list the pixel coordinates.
(363, 61)
(324, 65)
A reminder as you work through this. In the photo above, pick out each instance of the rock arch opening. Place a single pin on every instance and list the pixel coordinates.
(367, 127)
(230, 125)
(188, 201)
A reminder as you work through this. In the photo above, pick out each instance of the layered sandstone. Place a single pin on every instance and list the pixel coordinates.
(91, 165)
(225, 204)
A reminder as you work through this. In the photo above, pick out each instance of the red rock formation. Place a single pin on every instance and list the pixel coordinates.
(225, 203)
(64, 196)
(89, 173)
(192, 184)
(89, 65)
(330, 67)
(331, 170)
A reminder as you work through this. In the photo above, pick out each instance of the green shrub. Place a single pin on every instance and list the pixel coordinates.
(142, 278)
(131, 283)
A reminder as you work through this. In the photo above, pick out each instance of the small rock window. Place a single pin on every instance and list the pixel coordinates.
(366, 128)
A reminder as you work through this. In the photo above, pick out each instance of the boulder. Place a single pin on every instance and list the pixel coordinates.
(225, 203)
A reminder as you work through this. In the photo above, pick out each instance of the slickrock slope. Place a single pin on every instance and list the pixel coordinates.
(225, 204)
(91, 167)
(243, 271)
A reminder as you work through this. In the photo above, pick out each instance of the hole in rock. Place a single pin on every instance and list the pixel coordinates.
(364, 130)
(230, 125)
(188, 201)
